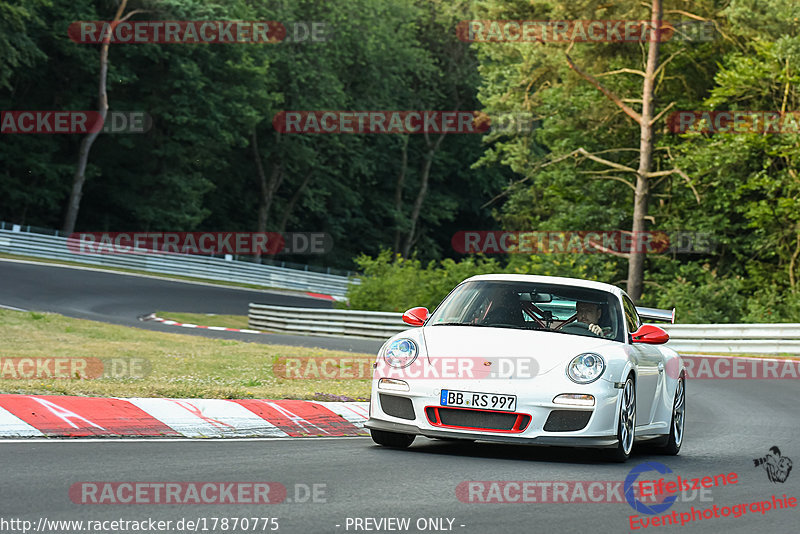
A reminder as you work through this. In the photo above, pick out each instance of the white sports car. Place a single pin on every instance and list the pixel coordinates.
(534, 360)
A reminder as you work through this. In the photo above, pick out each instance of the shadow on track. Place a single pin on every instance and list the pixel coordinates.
(531, 453)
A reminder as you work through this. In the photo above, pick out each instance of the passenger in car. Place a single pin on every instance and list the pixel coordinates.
(505, 309)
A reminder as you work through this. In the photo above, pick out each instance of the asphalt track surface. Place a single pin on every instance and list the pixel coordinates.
(120, 299)
(730, 422)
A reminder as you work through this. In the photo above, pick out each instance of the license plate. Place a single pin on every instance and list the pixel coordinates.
(487, 401)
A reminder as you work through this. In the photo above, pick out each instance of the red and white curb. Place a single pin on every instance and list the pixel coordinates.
(326, 297)
(62, 416)
(153, 317)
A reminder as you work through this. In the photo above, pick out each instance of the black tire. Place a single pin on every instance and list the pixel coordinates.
(626, 424)
(672, 445)
(392, 439)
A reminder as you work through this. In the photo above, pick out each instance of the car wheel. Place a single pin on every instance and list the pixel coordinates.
(392, 439)
(626, 426)
(678, 422)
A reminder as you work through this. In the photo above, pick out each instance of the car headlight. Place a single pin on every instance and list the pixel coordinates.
(401, 353)
(586, 368)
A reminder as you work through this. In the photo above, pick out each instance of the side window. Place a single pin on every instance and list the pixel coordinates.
(631, 316)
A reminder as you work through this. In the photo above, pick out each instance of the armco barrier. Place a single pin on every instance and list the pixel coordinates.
(322, 322)
(733, 338)
(730, 338)
(205, 267)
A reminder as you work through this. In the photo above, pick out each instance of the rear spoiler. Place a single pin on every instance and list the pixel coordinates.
(654, 314)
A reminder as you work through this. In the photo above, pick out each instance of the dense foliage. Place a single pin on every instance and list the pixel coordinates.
(195, 170)
(212, 104)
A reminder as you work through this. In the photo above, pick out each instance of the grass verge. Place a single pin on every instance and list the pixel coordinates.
(178, 365)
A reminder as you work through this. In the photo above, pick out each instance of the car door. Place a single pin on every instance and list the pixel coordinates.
(649, 362)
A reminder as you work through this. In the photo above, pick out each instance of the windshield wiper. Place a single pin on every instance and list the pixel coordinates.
(499, 325)
(540, 329)
(459, 324)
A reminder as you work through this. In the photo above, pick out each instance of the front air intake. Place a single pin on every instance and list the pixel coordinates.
(485, 420)
(567, 420)
(397, 406)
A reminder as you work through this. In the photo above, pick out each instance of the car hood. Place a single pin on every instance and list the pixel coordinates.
(549, 349)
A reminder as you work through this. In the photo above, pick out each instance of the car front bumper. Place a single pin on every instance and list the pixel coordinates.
(535, 407)
(551, 441)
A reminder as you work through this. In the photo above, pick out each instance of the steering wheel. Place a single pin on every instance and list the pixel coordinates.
(581, 327)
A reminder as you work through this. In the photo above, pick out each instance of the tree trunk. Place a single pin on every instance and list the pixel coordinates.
(269, 186)
(74, 203)
(642, 194)
(287, 211)
(425, 173)
(398, 195)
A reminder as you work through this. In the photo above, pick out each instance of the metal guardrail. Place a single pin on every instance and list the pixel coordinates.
(745, 338)
(205, 267)
(322, 322)
(726, 338)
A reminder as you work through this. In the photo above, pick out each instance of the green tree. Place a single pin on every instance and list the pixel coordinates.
(17, 48)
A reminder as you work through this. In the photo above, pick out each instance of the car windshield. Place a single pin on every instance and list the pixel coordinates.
(532, 306)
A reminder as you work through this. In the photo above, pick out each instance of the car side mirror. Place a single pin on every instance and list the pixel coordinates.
(650, 334)
(415, 316)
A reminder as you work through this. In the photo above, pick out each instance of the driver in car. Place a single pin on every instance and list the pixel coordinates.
(589, 313)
